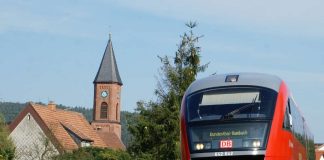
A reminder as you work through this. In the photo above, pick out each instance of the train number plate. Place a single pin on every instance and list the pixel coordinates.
(226, 144)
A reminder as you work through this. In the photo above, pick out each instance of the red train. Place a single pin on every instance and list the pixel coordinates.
(246, 116)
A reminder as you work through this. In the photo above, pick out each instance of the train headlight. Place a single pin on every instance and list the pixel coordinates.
(256, 143)
(199, 146)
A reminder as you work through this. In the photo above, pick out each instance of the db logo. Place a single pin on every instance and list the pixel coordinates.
(226, 144)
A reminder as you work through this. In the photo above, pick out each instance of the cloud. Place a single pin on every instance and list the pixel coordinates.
(275, 16)
(41, 17)
(289, 16)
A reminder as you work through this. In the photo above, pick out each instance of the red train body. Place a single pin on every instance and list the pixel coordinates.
(243, 116)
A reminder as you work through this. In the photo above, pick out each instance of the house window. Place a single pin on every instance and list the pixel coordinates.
(85, 144)
(104, 110)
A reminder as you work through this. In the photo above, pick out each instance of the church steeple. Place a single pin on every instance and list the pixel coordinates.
(108, 70)
(107, 96)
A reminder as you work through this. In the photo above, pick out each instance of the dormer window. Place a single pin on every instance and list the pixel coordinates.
(79, 138)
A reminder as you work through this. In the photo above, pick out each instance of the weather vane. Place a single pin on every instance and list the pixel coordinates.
(109, 28)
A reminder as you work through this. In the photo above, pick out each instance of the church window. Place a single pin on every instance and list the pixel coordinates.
(104, 110)
(117, 110)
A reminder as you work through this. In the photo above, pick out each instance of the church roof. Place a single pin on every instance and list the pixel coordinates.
(108, 70)
(111, 139)
(62, 126)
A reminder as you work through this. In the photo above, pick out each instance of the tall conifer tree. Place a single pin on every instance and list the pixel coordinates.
(156, 129)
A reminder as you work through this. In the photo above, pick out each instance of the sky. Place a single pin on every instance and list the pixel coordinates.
(51, 50)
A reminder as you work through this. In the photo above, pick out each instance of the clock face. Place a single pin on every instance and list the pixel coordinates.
(104, 94)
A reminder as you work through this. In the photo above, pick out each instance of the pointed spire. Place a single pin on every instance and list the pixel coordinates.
(108, 70)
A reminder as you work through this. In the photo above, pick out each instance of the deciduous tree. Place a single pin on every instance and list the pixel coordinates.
(7, 149)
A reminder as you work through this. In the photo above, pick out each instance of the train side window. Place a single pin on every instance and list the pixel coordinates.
(289, 108)
(290, 115)
(288, 118)
(298, 123)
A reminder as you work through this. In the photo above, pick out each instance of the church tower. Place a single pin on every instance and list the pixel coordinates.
(107, 91)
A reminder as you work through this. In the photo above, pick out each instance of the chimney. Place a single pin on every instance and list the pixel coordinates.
(51, 105)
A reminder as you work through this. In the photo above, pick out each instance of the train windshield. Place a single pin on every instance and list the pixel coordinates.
(228, 136)
(231, 103)
(230, 118)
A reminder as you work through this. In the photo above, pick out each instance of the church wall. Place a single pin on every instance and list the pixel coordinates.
(319, 155)
(108, 127)
(113, 100)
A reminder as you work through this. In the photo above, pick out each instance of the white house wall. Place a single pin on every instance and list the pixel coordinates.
(30, 140)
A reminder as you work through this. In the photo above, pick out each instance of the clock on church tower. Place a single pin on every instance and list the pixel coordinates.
(107, 87)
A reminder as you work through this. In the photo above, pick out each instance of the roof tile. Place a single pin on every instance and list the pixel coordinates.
(112, 140)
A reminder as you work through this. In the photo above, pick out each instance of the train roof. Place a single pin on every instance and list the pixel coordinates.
(243, 79)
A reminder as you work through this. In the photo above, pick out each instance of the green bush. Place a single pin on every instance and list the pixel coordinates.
(94, 153)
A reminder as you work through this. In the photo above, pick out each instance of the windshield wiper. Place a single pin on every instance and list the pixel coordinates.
(207, 117)
(232, 113)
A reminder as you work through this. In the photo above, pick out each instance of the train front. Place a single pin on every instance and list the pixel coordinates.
(228, 117)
